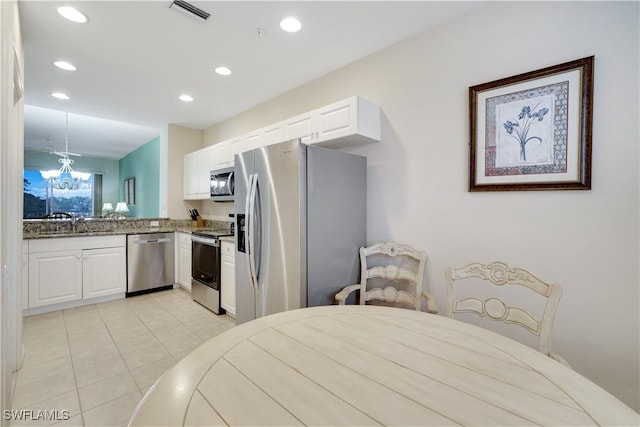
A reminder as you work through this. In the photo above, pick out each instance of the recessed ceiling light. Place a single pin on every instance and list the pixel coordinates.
(223, 71)
(72, 14)
(60, 95)
(290, 24)
(64, 65)
(186, 98)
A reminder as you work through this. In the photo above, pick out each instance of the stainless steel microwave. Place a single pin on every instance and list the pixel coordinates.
(222, 185)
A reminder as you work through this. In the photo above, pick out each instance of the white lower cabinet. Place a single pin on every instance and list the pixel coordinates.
(62, 270)
(55, 277)
(98, 266)
(184, 260)
(228, 278)
(25, 275)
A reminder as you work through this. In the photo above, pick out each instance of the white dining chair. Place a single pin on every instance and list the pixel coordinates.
(391, 273)
(502, 276)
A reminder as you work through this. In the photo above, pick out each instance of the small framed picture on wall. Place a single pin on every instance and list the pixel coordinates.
(130, 191)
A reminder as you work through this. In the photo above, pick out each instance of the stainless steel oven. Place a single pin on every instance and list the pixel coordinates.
(205, 269)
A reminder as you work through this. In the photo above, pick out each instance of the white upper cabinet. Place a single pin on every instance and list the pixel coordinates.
(302, 126)
(252, 140)
(222, 157)
(273, 134)
(243, 143)
(236, 146)
(352, 121)
(197, 167)
(189, 176)
(346, 123)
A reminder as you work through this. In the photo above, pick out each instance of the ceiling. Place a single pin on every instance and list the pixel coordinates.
(135, 58)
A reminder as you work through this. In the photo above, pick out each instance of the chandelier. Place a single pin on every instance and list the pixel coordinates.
(65, 178)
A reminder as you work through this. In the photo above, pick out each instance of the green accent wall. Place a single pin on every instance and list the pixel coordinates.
(143, 164)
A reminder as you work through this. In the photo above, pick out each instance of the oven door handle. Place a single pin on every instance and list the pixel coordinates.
(251, 206)
(205, 241)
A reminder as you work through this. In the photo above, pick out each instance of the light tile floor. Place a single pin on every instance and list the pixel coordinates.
(97, 361)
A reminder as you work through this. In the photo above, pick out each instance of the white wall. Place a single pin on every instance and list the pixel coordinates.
(11, 158)
(180, 141)
(585, 240)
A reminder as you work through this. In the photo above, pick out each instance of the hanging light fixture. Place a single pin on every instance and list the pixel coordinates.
(65, 178)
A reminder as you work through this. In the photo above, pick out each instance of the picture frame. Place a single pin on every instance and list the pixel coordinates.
(533, 131)
(130, 191)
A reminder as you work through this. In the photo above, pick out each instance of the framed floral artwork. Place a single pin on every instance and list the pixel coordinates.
(533, 131)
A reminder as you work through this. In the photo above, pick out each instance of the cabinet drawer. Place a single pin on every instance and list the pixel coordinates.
(228, 251)
(184, 239)
(76, 243)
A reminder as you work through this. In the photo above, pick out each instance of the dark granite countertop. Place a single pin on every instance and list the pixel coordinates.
(47, 230)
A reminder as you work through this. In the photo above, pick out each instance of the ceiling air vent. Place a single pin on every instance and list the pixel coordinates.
(189, 9)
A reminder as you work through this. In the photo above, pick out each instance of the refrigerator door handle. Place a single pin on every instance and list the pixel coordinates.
(251, 206)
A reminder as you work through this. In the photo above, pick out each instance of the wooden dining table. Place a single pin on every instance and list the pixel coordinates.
(372, 365)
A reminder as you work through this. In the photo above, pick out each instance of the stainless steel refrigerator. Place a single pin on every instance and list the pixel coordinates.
(300, 219)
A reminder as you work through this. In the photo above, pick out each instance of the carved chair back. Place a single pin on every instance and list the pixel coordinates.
(384, 261)
(502, 275)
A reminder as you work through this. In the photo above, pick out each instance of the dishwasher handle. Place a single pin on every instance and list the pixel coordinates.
(147, 241)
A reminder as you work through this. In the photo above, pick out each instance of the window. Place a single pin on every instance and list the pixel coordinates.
(41, 198)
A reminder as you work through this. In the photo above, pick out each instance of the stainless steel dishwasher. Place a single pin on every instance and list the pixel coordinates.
(150, 262)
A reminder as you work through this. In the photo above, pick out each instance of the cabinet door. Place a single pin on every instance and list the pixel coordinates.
(104, 272)
(273, 134)
(25, 281)
(228, 278)
(253, 140)
(184, 268)
(183, 260)
(337, 120)
(222, 155)
(196, 178)
(206, 163)
(55, 277)
(302, 126)
(237, 146)
(189, 176)
(246, 142)
(349, 122)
